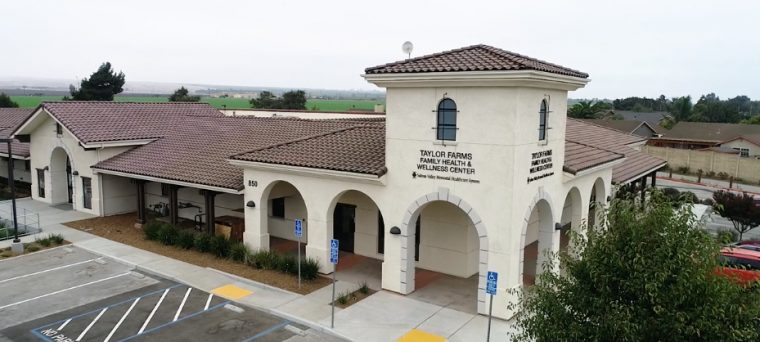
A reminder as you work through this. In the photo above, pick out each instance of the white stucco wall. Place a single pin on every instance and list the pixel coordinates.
(754, 150)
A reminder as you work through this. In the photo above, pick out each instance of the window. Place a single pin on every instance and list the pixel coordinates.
(87, 192)
(446, 127)
(165, 190)
(380, 233)
(744, 152)
(41, 183)
(58, 129)
(543, 118)
(278, 207)
(27, 165)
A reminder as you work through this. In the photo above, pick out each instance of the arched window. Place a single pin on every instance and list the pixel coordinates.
(543, 120)
(446, 128)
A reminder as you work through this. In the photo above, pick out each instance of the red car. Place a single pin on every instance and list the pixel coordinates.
(743, 265)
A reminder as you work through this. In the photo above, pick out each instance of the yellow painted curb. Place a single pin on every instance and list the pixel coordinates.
(231, 292)
(415, 335)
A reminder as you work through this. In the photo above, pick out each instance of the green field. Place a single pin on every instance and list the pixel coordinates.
(323, 105)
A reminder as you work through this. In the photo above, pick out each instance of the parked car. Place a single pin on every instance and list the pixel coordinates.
(742, 265)
(752, 245)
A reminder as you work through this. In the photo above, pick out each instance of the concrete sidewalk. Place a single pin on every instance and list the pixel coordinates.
(384, 316)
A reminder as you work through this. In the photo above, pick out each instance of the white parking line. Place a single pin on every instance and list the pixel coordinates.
(64, 290)
(91, 324)
(208, 301)
(40, 272)
(64, 324)
(154, 311)
(121, 320)
(179, 309)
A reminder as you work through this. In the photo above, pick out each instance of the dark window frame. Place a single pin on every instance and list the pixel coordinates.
(446, 120)
(58, 129)
(543, 121)
(87, 195)
(41, 183)
(278, 207)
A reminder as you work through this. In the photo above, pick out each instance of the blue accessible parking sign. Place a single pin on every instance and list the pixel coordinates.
(493, 278)
(334, 251)
(298, 229)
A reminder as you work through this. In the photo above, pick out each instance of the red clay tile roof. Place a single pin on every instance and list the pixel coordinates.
(579, 157)
(357, 149)
(636, 163)
(10, 119)
(196, 149)
(96, 121)
(472, 58)
(708, 131)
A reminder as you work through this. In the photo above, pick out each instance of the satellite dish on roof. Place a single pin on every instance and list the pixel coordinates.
(407, 47)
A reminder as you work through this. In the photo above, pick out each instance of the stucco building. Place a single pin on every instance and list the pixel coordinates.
(475, 167)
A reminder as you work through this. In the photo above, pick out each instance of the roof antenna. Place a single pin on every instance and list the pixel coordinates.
(407, 47)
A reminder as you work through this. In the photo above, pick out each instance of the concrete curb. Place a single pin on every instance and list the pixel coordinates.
(311, 324)
(253, 282)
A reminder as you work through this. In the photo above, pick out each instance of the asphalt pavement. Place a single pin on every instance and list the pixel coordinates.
(69, 294)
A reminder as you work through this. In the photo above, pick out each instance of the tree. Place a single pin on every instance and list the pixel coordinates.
(681, 108)
(648, 275)
(6, 102)
(294, 100)
(290, 100)
(741, 210)
(102, 85)
(181, 95)
(710, 108)
(753, 120)
(587, 109)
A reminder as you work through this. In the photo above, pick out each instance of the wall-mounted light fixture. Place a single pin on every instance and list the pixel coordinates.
(46, 168)
(250, 204)
(395, 230)
(609, 198)
(557, 226)
(75, 173)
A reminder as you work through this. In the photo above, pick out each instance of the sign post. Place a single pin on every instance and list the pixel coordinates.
(298, 231)
(334, 261)
(493, 279)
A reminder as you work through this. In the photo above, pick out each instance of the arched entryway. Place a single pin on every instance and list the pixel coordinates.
(446, 250)
(571, 220)
(282, 205)
(355, 220)
(539, 238)
(596, 202)
(61, 179)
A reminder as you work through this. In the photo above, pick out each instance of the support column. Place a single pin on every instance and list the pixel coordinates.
(141, 219)
(210, 211)
(173, 205)
(654, 179)
(643, 190)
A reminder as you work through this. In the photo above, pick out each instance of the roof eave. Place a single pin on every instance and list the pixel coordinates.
(595, 168)
(638, 176)
(166, 180)
(309, 171)
(511, 78)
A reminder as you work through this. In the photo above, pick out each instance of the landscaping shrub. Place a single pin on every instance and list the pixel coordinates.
(683, 170)
(723, 175)
(56, 239)
(239, 252)
(151, 230)
(186, 239)
(203, 243)
(43, 242)
(708, 201)
(671, 193)
(220, 246)
(249, 258)
(309, 268)
(33, 248)
(342, 298)
(726, 237)
(168, 234)
(689, 197)
(364, 289)
(710, 174)
(288, 264)
(266, 260)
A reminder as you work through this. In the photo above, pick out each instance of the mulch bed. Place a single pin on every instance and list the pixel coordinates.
(353, 298)
(120, 228)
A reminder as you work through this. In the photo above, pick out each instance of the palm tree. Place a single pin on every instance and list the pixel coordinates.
(587, 109)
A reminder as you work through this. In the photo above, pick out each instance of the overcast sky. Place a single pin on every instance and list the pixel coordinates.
(632, 48)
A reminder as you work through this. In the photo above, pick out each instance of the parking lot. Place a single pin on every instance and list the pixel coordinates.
(68, 294)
